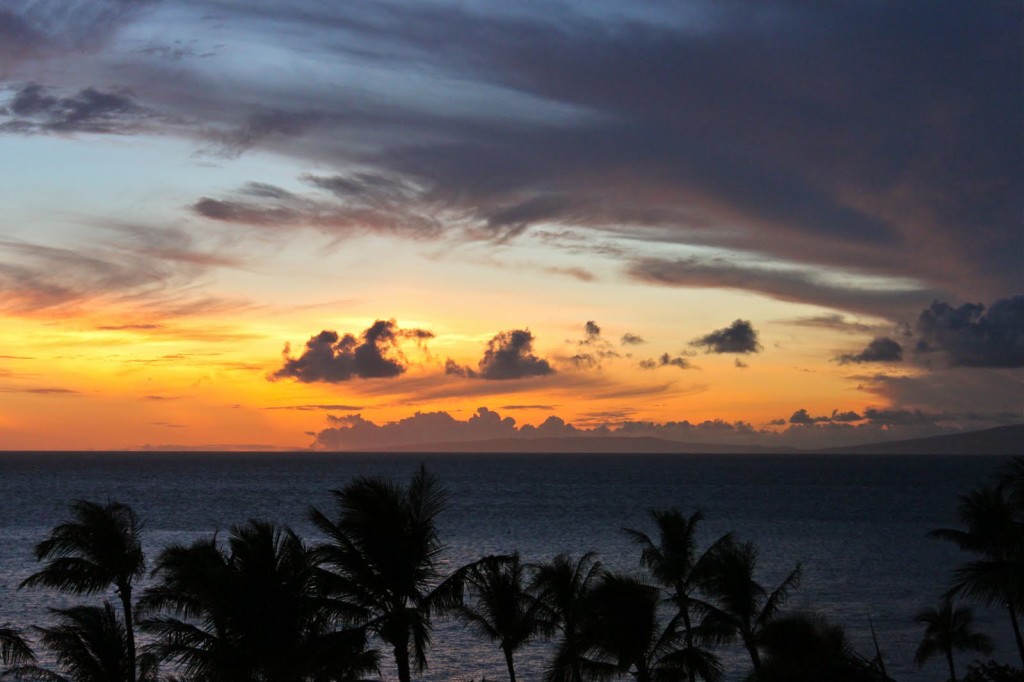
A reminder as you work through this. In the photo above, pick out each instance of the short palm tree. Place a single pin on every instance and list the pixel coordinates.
(99, 548)
(89, 644)
(14, 648)
(674, 562)
(994, 531)
(948, 629)
(806, 648)
(499, 607)
(253, 611)
(742, 606)
(562, 588)
(623, 635)
(383, 553)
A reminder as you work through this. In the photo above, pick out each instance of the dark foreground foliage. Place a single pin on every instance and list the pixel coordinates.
(260, 605)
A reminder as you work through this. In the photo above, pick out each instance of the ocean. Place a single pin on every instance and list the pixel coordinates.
(857, 524)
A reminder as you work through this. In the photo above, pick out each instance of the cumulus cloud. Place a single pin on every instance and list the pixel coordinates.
(738, 337)
(354, 432)
(631, 340)
(509, 355)
(970, 336)
(452, 368)
(331, 358)
(881, 349)
(592, 349)
(666, 360)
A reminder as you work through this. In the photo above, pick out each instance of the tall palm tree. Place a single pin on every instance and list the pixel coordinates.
(562, 588)
(674, 562)
(741, 604)
(948, 630)
(499, 607)
(99, 548)
(994, 530)
(90, 644)
(255, 610)
(383, 553)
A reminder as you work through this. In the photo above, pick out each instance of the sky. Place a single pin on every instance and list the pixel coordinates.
(345, 225)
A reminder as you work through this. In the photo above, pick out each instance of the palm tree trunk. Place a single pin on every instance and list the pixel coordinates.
(1016, 630)
(952, 668)
(689, 640)
(755, 657)
(402, 661)
(508, 662)
(125, 592)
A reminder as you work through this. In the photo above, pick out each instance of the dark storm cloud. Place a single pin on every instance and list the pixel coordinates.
(33, 109)
(738, 337)
(877, 138)
(509, 355)
(882, 349)
(970, 336)
(330, 358)
(666, 360)
(737, 110)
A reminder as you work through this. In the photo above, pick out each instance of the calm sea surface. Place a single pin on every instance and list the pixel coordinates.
(856, 523)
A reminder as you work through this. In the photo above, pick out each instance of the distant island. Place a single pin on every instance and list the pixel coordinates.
(1001, 440)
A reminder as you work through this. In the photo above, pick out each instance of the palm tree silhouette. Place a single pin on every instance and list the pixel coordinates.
(995, 532)
(500, 608)
(806, 648)
(255, 610)
(742, 606)
(948, 630)
(14, 648)
(625, 636)
(384, 554)
(99, 548)
(90, 644)
(674, 563)
(562, 588)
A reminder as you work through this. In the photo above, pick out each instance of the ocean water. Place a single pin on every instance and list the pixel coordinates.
(857, 524)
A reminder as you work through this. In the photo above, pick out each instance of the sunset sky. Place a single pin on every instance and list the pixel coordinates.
(265, 224)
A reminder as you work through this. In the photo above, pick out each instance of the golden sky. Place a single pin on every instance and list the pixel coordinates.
(660, 220)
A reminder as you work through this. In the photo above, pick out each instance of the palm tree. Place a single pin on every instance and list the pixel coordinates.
(807, 648)
(995, 532)
(1011, 479)
(673, 561)
(90, 644)
(255, 610)
(500, 608)
(948, 630)
(562, 588)
(383, 553)
(14, 649)
(624, 635)
(99, 548)
(742, 606)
